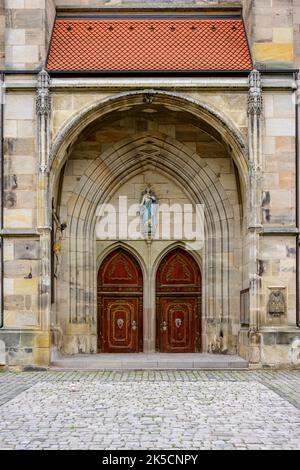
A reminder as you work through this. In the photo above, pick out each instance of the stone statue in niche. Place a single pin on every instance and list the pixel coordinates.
(276, 305)
(148, 213)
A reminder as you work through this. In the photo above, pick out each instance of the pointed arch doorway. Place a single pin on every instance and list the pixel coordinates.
(120, 304)
(178, 303)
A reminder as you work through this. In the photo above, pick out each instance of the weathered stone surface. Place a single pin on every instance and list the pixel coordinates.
(13, 302)
(19, 106)
(21, 268)
(2, 353)
(16, 218)
(27, 249)
(26, 286)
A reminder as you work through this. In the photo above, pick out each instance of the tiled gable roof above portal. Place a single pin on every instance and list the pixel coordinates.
(190, 43)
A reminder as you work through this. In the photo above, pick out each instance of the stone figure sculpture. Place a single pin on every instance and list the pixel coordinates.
(148, 213)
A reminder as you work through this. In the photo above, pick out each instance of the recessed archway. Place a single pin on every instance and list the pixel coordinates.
(99, 181)
(217, 123)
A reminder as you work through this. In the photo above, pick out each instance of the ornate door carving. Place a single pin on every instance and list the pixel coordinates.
(178, 290)
(120, 290)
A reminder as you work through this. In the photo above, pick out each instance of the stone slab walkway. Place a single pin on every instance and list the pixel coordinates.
(142, 361)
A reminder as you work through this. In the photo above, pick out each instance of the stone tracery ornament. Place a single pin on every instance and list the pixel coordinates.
(43, 100)
(255, 100)
(276, 304)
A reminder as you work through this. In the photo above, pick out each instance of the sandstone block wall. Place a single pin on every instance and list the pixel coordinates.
(20, 150)
(28, 27)
(2, 34)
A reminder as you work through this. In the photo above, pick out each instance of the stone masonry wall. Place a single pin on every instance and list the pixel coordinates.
(28, 30)
(20, 162)
(2, 34)
(278, 203)
(273, 42)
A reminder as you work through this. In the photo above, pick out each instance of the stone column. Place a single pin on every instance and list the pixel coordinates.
(43, 110)
(149, 317)
(255, 103)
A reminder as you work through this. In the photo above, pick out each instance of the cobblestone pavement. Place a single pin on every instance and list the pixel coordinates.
(150, 410)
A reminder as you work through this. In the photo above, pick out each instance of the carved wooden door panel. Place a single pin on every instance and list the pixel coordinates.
(121, 324)
(178, 324)
(120, 289)
(178, 290)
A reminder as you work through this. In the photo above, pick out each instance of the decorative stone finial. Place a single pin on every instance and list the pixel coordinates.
(43, 100)
(255, 100)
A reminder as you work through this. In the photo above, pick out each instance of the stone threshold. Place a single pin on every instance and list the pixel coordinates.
(155, 361)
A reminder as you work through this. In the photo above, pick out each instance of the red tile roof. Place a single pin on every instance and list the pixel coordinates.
(151, 44)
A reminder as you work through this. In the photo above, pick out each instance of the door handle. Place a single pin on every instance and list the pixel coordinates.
(163, 326)
(134, 325)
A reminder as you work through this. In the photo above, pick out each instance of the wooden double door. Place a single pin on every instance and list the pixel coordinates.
(120, 304)
(178, 304)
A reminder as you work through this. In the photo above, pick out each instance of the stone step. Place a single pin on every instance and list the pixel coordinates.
(141, 361)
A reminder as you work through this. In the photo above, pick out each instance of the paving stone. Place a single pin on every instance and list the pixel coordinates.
(150, 410)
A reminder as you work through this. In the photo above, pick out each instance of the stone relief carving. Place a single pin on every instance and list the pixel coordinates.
(276, 304)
